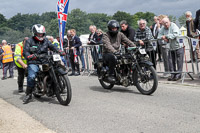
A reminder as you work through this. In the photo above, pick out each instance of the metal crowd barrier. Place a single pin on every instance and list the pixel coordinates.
(91, 55)
(93, 52)
(188, 68)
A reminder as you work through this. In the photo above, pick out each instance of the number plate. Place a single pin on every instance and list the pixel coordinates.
(56, 57)
(142, 51)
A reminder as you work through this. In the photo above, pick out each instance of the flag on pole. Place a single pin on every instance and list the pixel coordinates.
(62, 11)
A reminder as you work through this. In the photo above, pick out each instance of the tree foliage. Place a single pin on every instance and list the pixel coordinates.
(2, 20)
(182, 20)
(119, 16)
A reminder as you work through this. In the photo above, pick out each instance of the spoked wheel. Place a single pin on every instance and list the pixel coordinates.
(106, 85)
(63, 93)
(146, 81)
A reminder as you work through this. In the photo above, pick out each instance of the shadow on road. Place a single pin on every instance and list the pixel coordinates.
(50, 100)
(114, 89)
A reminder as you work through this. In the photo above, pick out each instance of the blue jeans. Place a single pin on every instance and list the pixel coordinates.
(81, 56)
(32, 72)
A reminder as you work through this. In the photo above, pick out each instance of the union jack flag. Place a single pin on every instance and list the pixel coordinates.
(62, 11)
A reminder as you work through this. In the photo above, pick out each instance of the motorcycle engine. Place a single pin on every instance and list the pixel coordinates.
(124, 81)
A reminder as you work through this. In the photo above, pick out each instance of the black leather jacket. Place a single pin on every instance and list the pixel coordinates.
(33, 46)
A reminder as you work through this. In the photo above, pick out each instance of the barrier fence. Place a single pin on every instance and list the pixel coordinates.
(171, 58)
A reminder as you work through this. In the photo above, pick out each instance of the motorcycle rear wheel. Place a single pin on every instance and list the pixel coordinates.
(106, 85)
(146, 84)
(63, 92)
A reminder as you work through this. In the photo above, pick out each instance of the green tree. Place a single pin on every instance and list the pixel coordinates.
(182, 20)
(148, 16)
(119, 16)
(20, 22)
(2, 20)
(100, 20)
(79, 21)
(52, 27)
(48, 16)
(172, 18)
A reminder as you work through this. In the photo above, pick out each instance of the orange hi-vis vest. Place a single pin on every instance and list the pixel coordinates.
(7, 55)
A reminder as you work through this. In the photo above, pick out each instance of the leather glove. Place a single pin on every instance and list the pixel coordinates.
(62, 53)
(32, 57)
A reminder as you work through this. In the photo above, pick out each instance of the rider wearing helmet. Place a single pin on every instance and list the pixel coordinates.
(36, 45)
(111, 45)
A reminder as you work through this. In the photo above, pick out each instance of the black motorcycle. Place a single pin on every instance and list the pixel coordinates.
(52, 79)
(133, 69)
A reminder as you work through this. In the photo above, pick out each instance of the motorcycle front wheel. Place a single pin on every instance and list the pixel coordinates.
(146, 81)
(63, 92)
(106, 85)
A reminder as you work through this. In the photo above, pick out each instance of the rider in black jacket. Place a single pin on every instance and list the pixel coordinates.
(36, 45)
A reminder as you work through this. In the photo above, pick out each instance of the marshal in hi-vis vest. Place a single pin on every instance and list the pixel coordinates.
(7, 55)
(19, 54)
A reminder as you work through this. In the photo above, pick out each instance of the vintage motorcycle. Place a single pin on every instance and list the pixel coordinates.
(133, 69)
(52, 79)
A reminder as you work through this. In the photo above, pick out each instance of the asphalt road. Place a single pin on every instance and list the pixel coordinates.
(171, 109)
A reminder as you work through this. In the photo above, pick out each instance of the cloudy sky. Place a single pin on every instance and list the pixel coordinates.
(10, 8)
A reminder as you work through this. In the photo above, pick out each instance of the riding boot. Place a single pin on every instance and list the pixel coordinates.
(28, 96)
(111, 78)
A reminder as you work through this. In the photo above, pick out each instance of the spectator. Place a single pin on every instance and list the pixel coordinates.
(197, 20)
(1, 51)
(99, 41)
(155, 30)
(143, 35)
(74, 52)
(191, 32)
(7, 60)
(99, 36)
(127, 30)
(92, 36)
(197, 27)
(92, 41)
(164, 48)
(81, 56)
(54, 42)
(66, 44)
(168, 33)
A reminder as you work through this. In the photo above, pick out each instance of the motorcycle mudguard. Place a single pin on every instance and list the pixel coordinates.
(143, 62)
(61, 71)
(146, 62)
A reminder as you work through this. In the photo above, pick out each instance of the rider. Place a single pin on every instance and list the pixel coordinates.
(36, 45)
(111, 46)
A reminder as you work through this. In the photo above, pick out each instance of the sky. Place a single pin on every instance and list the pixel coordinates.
(176, 8)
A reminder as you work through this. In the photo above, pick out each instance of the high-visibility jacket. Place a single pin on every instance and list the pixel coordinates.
(19, 54)
(7, 55)
(57, 44)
